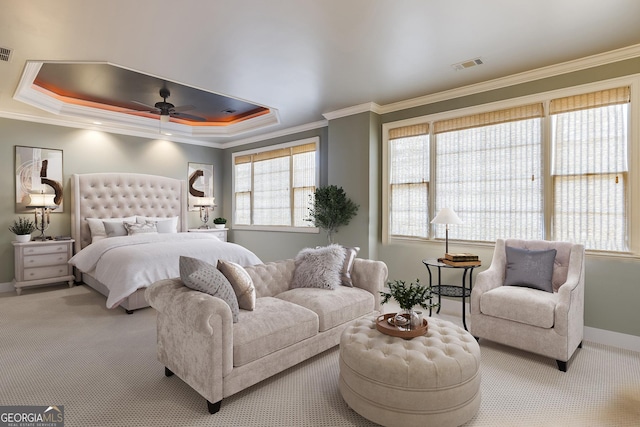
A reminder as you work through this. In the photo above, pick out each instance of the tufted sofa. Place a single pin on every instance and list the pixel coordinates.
(198, 341)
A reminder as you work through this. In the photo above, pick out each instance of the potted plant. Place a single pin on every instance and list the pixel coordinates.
(407, 297)
(22, 228)
(219, 222)
(330, 209)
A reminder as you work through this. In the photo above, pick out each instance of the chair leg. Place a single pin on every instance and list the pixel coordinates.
(214, 407)
(167, 372)
(562, 366)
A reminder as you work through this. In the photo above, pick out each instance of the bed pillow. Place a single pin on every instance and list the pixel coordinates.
(204, 277)
(531, 269)
(96, 225)
(347, 266)
(241, 283)
(133, 228)
(164, 225)
(319, 267)
(114, 228)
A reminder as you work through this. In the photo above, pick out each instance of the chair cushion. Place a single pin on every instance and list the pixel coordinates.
(531, 269)
(273, 325)
(523, 305)
(333, 307)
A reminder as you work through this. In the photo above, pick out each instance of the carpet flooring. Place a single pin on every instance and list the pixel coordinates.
(61, 346)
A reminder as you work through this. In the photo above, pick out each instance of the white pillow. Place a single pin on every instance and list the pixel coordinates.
(164, 225)
(97, 227)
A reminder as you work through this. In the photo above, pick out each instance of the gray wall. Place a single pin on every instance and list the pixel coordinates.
(87, 151)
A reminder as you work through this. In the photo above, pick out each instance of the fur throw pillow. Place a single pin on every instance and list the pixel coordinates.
(319, 268)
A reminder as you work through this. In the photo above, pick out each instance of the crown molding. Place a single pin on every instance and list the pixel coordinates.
(284, 132)
(356, 109)
(617, 55)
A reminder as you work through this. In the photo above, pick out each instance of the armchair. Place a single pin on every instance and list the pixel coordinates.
(546, 323)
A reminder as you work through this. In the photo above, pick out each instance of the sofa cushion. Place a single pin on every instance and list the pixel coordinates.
(271, 278)
(333, 308)
(273, 325)
(531, 269)
(319, 267)
(524, 305)
(204, 277)
(241, 283)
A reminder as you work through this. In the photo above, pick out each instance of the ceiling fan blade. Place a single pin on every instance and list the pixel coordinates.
(188, 117)
(183, 108)
(150, 108)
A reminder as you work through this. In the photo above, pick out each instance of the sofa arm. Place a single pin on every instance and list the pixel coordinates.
(371, 276)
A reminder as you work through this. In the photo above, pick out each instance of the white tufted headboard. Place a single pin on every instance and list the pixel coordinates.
(116, 195)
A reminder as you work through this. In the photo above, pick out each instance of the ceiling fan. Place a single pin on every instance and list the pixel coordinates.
(166, 109)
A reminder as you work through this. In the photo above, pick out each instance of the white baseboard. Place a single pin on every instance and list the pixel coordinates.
(452, 307)
(7, 287)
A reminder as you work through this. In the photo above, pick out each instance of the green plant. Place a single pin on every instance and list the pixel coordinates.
(330, 209)
(22, 226)
(220, 220)
(408, 296)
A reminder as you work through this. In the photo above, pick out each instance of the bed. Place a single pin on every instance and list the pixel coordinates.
(122, 266)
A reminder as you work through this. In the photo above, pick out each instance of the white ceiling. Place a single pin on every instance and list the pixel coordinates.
(306, 58)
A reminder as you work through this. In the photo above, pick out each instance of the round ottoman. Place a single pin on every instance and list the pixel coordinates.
(428, 380)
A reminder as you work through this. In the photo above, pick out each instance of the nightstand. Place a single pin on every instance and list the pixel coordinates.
(42, 263)
(220, 233)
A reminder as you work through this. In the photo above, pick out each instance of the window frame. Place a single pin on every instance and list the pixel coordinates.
(633, 204)
(281, 228)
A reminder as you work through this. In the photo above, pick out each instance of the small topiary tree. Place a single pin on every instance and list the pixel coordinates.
(330, 209)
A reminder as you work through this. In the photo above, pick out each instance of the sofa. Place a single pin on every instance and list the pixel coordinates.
(198, 341)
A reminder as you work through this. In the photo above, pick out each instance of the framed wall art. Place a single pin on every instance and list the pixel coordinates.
(38, 171)
(199, 182)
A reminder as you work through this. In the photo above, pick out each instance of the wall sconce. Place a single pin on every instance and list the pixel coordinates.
(204, 203)
(43, 205)
(446, 216)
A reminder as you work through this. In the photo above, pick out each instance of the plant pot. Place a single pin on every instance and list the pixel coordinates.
(23, 238)
(219, 225)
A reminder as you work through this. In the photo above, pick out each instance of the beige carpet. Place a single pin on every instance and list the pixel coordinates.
(61, 346)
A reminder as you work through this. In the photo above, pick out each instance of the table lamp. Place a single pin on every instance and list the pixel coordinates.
(204, 203)
(446, 216)
(43, 205)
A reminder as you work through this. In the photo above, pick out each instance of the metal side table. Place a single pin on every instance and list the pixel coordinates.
(451, 290)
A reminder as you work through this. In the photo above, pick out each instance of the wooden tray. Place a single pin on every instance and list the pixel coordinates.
(383, 325)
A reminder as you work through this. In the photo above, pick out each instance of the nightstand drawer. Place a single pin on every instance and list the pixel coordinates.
(220, 234)
(46, 272)
(35, 249)
(46, 259)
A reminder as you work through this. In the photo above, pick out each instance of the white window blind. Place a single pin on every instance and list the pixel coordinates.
(273, 187)
(488, 170)
(590, 168)
(409, 180)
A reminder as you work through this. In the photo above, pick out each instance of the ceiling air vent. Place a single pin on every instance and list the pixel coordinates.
(5, 54)
(467, 64)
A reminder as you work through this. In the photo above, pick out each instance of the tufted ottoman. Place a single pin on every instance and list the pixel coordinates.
(431, 380)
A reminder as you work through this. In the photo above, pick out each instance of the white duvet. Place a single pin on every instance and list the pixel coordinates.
(125, 264)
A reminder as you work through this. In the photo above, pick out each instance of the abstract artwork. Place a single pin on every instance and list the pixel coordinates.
(200, 182)
(38, 170)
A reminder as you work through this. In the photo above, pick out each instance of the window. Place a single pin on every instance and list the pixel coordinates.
(517, 172)
(273, 187)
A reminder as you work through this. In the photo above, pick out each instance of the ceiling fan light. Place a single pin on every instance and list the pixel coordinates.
(164, 118)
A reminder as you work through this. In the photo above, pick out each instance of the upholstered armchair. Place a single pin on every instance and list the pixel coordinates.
(518, 313)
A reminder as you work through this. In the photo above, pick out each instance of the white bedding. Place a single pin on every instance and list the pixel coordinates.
(125, 264)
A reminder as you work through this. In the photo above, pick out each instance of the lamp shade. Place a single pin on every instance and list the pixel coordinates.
(40, 200)
(201, 202)
(446, 216)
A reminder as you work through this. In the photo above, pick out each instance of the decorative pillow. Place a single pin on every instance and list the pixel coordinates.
(204, 277)
(531, 269)
(148, 227)
(164, 225)
(345, 274)
(114, 228)
(319, 267)
(96, 225)
(241, 283)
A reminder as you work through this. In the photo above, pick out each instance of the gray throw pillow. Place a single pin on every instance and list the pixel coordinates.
(531, 269)
(319, 267)
(345, 274)
(114, 229)
(204, 277)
